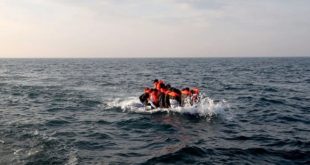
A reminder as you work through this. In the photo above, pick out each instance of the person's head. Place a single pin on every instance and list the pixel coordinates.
(154, 90)
(162, 86)
(195, 91)
(168, 86)
(155, 82)
(185, 89)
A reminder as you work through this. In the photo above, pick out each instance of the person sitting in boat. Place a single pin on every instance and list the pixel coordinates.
(164, 101)
(195, 95)
(157, 83)
(175, 94)
(144, 97)
(186, 96)
(154, 98)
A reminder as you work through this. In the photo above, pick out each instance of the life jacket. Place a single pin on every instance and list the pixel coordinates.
(154, 96)
(162, 90)
(186, 92)
(196, 91)
(147, 90)
(173, 93)
(158, 84)
(155, 84)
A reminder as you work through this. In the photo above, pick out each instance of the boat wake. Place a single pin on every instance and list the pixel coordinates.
(205, 108)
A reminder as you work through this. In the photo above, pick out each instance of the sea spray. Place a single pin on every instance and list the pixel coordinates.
(207, 107)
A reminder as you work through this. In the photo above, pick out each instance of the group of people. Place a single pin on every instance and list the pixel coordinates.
(159, 96)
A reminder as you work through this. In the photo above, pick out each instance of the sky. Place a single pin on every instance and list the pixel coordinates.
(154, 28)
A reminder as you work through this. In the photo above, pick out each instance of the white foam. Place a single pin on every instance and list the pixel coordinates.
(36, 132)
(34, 151)
(205, 108)
(72, 159)
(16, 152)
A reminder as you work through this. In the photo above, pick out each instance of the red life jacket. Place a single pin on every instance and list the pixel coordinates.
(196, 91)
(154, 97)
(158, 84)
(162, 90)
(147, 90)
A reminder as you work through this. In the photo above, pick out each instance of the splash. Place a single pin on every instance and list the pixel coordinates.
(72, 159)
(205, 108)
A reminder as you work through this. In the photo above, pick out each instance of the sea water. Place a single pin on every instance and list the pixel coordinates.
(86, 111)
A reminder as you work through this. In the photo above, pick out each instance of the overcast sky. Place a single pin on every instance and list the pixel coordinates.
(154, 28)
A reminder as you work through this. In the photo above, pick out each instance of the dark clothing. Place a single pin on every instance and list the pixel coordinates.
(167, 101)
(178, 97)
(164, 101)
(179, 100)
(176, 91)
(143, 98)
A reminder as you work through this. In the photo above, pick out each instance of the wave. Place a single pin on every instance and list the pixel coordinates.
(207, 107)
(189, 154)
(184, 155)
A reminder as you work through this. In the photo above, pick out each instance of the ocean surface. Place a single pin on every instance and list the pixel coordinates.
(86, 111)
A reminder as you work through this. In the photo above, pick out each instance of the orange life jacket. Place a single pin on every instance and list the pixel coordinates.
(155, 84)
(186, 92)
(173, 94)
(166, 92)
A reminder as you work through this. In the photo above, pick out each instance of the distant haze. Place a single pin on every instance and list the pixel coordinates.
(154, 28)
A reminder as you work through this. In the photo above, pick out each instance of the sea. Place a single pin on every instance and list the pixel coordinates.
(87, 111)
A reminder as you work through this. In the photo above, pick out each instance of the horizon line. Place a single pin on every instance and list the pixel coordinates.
(169, 57)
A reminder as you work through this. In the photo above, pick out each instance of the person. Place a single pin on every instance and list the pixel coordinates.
(186, 96)
(164, 101)
(161, 94)
(154, 98)
(195, 95)
(144, 97)
(175, 94)
(157, 83)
